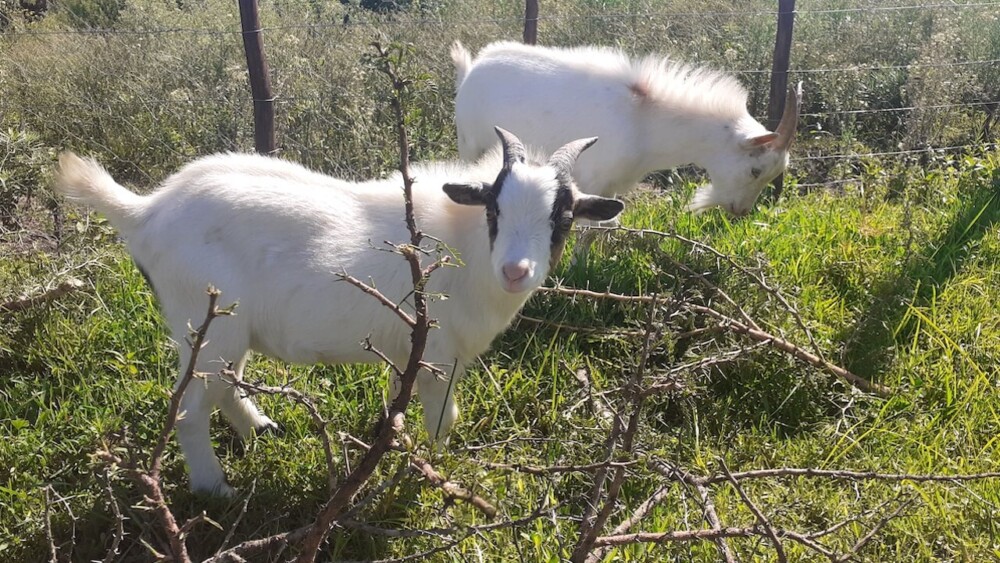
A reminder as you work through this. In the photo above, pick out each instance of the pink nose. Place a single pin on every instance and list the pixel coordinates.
(516, 272)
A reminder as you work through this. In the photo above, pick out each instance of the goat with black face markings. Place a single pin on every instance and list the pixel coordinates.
(275, 236)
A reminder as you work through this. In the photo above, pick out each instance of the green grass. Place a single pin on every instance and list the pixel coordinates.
(902, 291)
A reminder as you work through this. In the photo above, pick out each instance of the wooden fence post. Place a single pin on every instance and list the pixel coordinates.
(779, 76)
(260, 78)
(530, 21)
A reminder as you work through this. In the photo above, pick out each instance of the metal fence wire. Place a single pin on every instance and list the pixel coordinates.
(147, 86)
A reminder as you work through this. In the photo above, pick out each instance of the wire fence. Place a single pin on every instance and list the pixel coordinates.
(149, 86)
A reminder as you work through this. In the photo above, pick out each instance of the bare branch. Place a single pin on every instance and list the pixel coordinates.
(850, 475)
(307, 402)
(28, 302)
(857, 547)
(119, 520)
(597, 405)
(555, 469)
(761, 519)
(336, 506)
(600, 332)
(239, 518)
(53, 553)
(370, 290)
(156, 457)
(452, 489)
(800, 353)
(676, 473)
(149, 480)
(674, 536)
(590, 528)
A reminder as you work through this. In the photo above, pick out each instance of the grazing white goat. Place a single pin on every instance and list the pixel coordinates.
(275, 236)
(650, 114)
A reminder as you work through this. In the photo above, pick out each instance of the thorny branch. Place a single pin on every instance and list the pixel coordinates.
(387, 59)
(800, 353)
(451, 490)
(726, 323)
(28, 302)
(148, 479)
(593, 520)
(310, 405)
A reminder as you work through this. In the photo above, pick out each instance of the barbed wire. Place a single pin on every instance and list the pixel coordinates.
(717, 13)
(925, 150)
(37, 109)
(397, 20)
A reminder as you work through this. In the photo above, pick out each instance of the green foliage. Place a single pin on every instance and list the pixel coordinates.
(24, 167)
(91, 14)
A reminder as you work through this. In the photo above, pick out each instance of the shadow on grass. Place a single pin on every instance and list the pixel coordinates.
(868, 346)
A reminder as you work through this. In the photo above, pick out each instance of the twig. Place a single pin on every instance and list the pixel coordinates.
(190, 523)
(589, 529)
(393, 424)
(676, 473)
(857, 547)
(307, 402)
(597, 405)
(707, 535)
(239, 518)
(761, 519)
(800, 353)
(559, 290)
(29, 302)
(850, 475)
(555, 469)
(119, 533)
(149, 480)
(758, 279)
(370, 290)
(53, 553)
(674, 536)
(712, 517)
(452, 489)
(583, 329)
(842, 523)
(156, 458)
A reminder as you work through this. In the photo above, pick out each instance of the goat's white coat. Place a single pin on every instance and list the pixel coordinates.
(273, 236)
(651, 114)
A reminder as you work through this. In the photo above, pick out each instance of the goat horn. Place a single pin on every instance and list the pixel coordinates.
(564, 158)
(789, 118)
(513, 149)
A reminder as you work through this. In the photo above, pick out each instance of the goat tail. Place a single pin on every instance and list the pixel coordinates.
(87, 182)
(463, 60)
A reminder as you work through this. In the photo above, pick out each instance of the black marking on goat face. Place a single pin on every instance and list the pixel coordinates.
(492, 209)
(561, 219)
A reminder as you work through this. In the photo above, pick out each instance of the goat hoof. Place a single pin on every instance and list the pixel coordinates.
(220, 490)
(271, 428)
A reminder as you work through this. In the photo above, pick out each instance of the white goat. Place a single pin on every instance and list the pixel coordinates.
(274, 236)
(650, 114)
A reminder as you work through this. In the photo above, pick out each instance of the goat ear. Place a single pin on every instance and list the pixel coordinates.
(469, 193)
(596, 208)
(759, 141)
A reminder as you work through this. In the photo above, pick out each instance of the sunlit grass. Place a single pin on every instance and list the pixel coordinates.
(912, 292)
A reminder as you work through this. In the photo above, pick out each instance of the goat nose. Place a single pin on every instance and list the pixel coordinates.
(515, 272)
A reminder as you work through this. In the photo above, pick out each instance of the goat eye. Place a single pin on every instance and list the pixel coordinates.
(755, 172)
